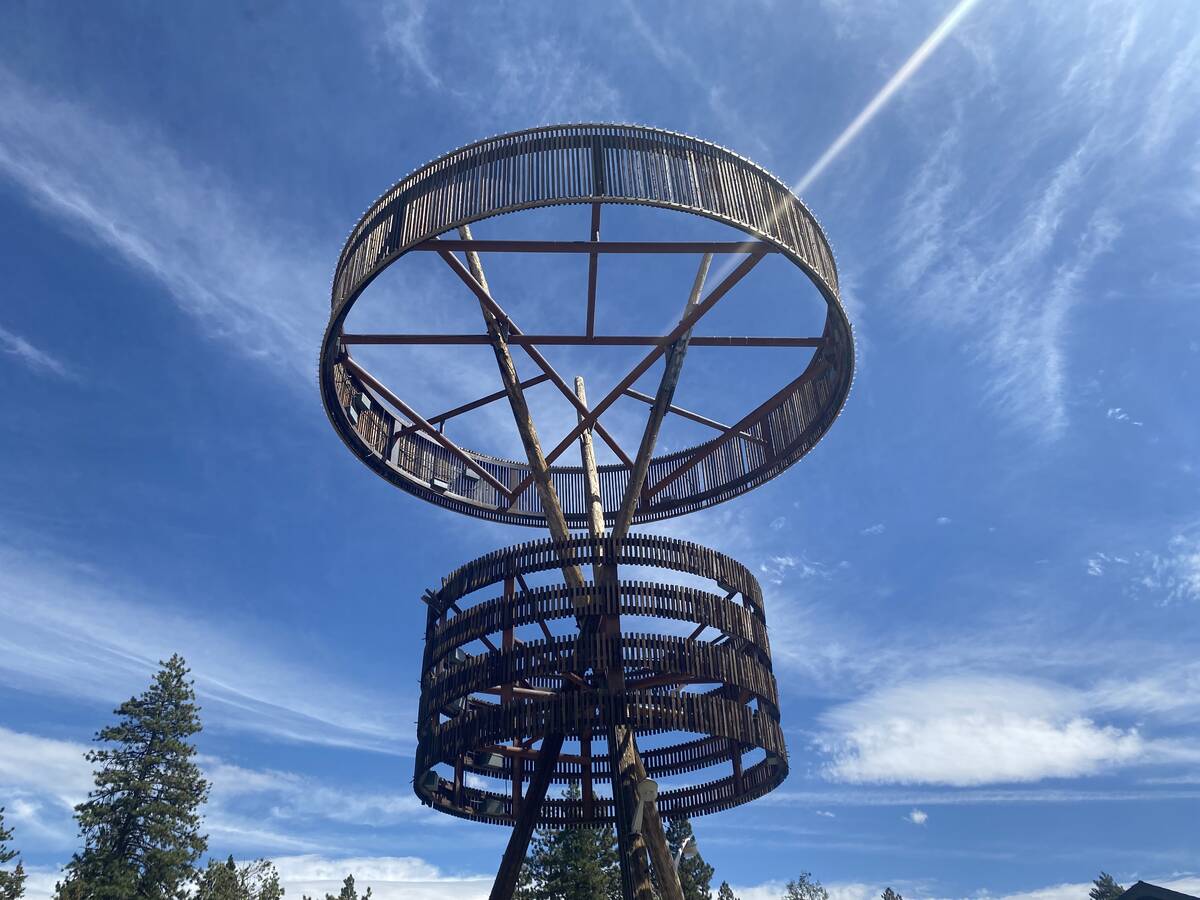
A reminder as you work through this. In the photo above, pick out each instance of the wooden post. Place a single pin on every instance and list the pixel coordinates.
(627, 767)
(662, 403)
(624, 760)
(525, 819)
(660, 852)
(622, 754)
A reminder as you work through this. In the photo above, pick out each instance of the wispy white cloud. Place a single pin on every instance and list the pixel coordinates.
(1167, 575)
(877, 528)
(268, 810)
(531, 81)
(1015, 298)
(776, 569)
(12, 344)
(1119, 415)
(974, 730)
(549, 83)
(1019, 332)
(1175, 574)
(64, 631)
(388, 877)
(907, 70)
(838, 890)
(50, 766)
(47, 777)
(242, 269)
(679, 64)
(772, 890)
(122, 185)
(402, 31)
(292, 796)
(1035, 796)
(1171, 881)
(917, 816)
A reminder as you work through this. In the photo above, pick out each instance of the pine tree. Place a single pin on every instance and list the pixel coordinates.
(141, 824)
(805, 888)
(889, 894)
(571, 863)
(695, 875)
(12, 884)
(348, 892)
(1106, 888)
(725, 892)
(256, 880)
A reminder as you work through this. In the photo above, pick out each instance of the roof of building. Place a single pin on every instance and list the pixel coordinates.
(1145, 891)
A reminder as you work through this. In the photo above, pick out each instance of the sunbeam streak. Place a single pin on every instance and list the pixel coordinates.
(944, 29)
(911, 65)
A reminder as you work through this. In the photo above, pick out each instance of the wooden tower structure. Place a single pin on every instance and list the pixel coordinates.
(586, 700)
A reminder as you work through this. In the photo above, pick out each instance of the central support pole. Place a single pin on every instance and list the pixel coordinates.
(627, 767)
(624, 762)
(525, 818)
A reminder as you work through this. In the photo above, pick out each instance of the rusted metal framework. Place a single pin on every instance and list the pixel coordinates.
(500, 707)
(597, 165)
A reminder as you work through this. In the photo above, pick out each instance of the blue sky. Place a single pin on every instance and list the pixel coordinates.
(982, 587)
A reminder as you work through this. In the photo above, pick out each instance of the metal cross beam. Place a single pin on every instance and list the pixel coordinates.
(596, 246)
(578, 340)
(527, 814)
(685, 413)
(476, 404)
(625, 762)
(685, 324)
(749, 421)
(506, 327)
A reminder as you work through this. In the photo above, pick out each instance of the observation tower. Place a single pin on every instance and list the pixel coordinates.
(527, 685)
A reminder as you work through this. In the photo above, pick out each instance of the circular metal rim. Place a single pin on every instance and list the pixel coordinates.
(720, 716)
(838, 354)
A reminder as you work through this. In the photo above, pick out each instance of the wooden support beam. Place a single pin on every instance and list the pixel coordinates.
(585, 753)
(625, 761)
(664, 680)
(593, 265)
(514, 854)
(662, 402)
(526, 817)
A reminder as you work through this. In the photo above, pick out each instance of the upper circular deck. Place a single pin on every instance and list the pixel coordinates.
(585, 164)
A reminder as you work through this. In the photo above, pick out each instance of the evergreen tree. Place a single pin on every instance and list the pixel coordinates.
(348, 892)
(141, 823)
(257, 880)
(725, 892)
(805, 888)
(1105, 888)
(695, 875)
(12, 884)
(889, 894)
(571, 863)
